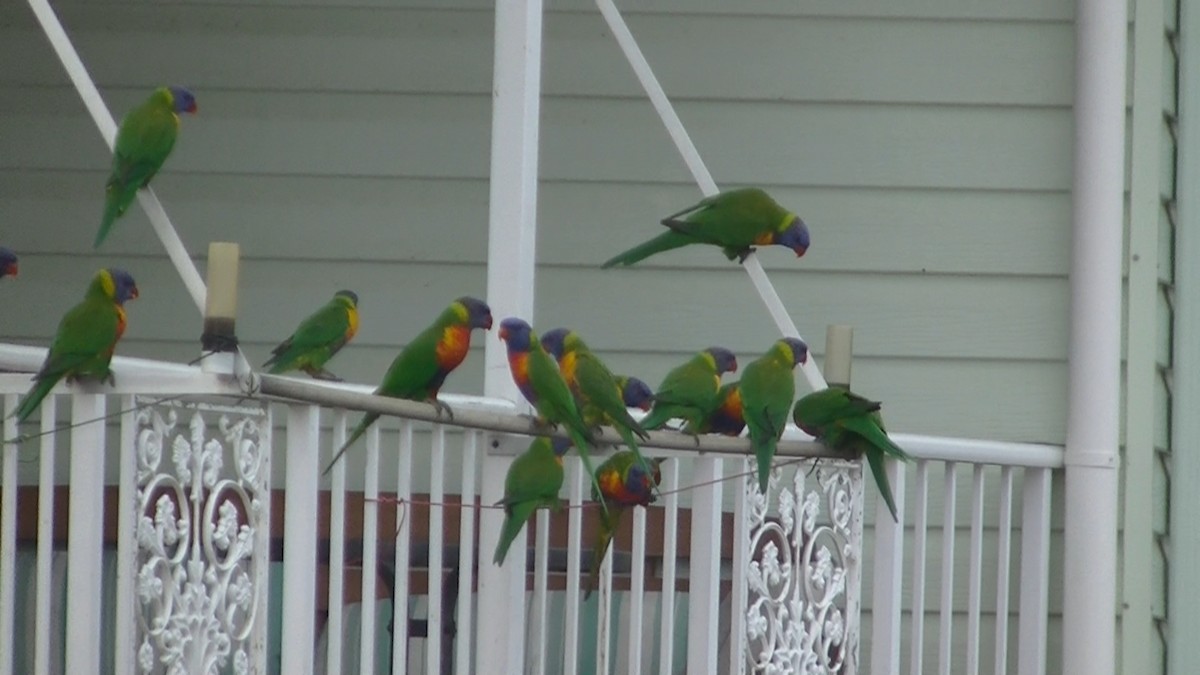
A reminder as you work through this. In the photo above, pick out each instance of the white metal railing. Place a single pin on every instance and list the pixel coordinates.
(802, 546)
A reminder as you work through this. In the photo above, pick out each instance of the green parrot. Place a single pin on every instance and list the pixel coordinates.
(543, 385)
(533, 481)
(318, 338)
(8, 262)
(624, 482)
(419, 370)
(725, 418)
(144, 140)
(635, 392)
(689, 391)
(767, 391)
(735, 220)
(599, 395)
(87, 335)
(844, 420)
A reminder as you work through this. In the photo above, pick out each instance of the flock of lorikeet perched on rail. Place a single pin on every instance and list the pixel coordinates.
(567, 384)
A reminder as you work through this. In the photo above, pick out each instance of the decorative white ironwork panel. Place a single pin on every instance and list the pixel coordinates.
(203, 475)
(804, 573)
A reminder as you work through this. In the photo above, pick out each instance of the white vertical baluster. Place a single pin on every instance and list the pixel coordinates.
(637, 591)
(300, 539)
(604, 620)
(127, 547)
(1035, 572)
(466, 554)
(541, 576)
(670, 483)
(920, 544)
(8, 538)
(45, 545)
(741, 554)
(1003, 551)
(84, 537)
(403, 537)
(260, 634)
(889, 576)
(975, 571)
(337, 548)
(705, 568)
(437, 513)
(946, 624)
(370, 554)
(574, 480)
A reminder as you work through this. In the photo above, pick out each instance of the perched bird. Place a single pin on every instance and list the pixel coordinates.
(596, 391)
(418, 372)
(844, 420)
(726, 416)
(318, 338)
(767, 391)
(624, 482)
(144, 139)
(635, 392)
(8, 262)
(543, 385)
(689, 391)
(87, 335)
(735, 220)
(533, 481)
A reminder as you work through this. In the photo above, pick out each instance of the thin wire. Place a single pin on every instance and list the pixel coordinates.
(73, 423)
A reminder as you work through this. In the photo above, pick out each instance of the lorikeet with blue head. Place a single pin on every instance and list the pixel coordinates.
(844, 420)
(541, 383)
(8, 262)
(318, 338)
(532, 482)
(624, 482)
(418, 371)
(635, 393)
(689, 391)
(726, 417)
(734, 220)
(87, 335)
(596, 391)
(768, 388)
(144, 140)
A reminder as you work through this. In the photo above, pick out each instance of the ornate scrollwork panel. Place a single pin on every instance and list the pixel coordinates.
(203, 471)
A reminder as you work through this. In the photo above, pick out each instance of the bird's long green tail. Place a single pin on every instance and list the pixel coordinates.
(367, 420)
(514, 523)
(765, 453)
(33, 399)
(113, 208)
(875, 459)
(604, 535)
(663, 242)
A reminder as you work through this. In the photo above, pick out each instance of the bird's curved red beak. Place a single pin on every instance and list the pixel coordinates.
(503, 333)
(800, 251)
(133, 293)
(11, 270)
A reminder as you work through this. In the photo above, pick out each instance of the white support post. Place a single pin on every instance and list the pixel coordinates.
(84, 537)
(300, 538)
(704, 573)
(512, 229)
(1090, 542)
(1033, 620)
(8, 535)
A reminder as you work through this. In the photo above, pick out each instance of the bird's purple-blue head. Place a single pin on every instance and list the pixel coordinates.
(560, 445)
(636, 393)
(794, 236)
(725, 360)
(182, 100)
(478, 314)
(124, 287)
(517, 333)
(8, 262)
(554, 342)
(798, 349)
(640, 483)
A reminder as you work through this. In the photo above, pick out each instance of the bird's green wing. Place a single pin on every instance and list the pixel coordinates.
(316, 339)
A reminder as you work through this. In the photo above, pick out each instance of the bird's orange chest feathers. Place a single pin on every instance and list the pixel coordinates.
(611, 483)
(120, 321)
(452, 348)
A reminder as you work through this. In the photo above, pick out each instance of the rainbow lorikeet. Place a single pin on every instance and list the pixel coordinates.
(8, 262)
(418, 371)
(767, 390)
(533, 481)
(596, 391)
(735, 220)
(844, 420)
(543, 386)
(635, 392)
(726, 417)
(624, 482)
(318, 338)
(144, 139)
(87, 335)
(689, 391)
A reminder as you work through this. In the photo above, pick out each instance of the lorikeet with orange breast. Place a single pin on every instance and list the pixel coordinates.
(689, 391)
(318, 338)
(87, 335)
(8, 262)
(623, 483)
(144, 140)
(726, 418)
(734, 220)
(419, 370)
